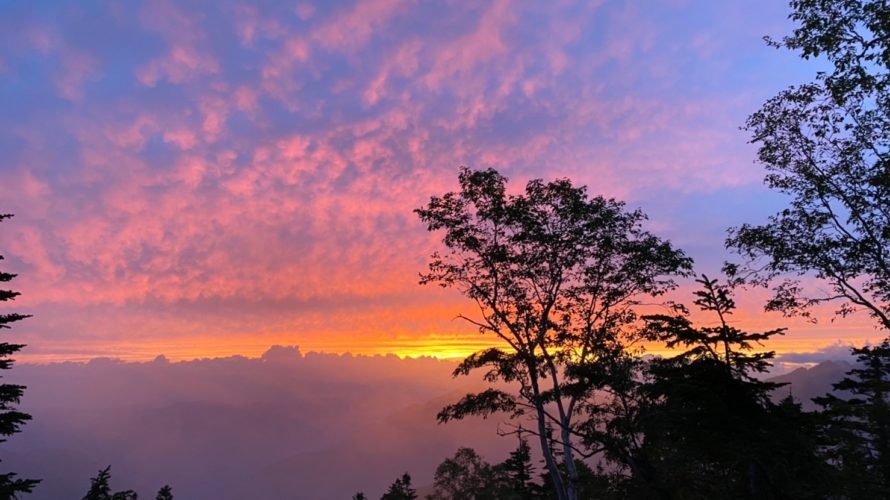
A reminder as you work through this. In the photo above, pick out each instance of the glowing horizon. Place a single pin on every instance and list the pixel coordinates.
(444, 347)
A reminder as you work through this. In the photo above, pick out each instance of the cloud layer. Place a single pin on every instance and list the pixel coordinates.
(285, 425)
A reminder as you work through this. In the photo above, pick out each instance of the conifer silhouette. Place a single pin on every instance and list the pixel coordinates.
(11, 419)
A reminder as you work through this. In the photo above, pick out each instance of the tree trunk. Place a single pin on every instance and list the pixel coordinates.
(558, 484)
(572, 484)
(555, 476)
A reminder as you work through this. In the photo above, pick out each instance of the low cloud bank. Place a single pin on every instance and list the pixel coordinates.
(286, 425)
(839, 351)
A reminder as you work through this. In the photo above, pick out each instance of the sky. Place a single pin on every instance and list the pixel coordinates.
(202, 179)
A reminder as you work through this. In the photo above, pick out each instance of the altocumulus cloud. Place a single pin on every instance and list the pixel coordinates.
(162, 154)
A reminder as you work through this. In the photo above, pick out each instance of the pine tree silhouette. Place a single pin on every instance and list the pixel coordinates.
(400, 489)
(856, 432)
(11, 419)
(100, 488)
(165, 493)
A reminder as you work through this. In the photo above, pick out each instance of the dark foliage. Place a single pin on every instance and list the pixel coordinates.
(518, 471)
(592, 483)
(400, 489)
(100, 488)
(466, 475)
(825, 144)
(856, 430)
(165, 493)
(703, 425)
(11, 419)
(556, 276)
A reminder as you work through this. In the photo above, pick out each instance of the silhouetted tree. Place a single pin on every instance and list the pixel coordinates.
(556, 276)
(359, 496)
(165, 493)
(732, 349)
(518, 471)
(707, 427)
(11, 419)
(466, 475)
(400, 489)
(857, 429)
(592, 483)
(826, 144)
(100, 488)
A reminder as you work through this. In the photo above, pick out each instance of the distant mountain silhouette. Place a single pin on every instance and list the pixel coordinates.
(808, 383)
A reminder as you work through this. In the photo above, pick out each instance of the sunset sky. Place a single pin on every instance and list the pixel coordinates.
(210, 178)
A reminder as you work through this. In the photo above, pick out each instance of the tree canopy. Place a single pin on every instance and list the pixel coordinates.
(704, 415)
(400, 489)
(100, 488)
(856, 429)
(556, 275)
(825, 144)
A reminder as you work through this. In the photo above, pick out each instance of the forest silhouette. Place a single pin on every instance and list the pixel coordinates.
(565, 285)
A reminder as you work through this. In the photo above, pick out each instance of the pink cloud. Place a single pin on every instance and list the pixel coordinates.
(77, 67)
(278, 71)
(132, 136)
(245, 99)
(31, 247)
(351, 28)
(215, 111)
(293, 148)
(305, 10)
(183, 138)
(192, 171)
(179, 65)
(403, 63)
(247, 23)
(463, 55)
(42, 38)
(187, 56)
(32, 186)
(168, 18)
(251, 24)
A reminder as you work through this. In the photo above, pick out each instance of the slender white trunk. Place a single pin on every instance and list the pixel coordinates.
(549, 460)
(569, 460)
(555, 476)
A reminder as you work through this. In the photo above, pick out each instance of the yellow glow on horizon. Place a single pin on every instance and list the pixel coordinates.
(436, 346)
